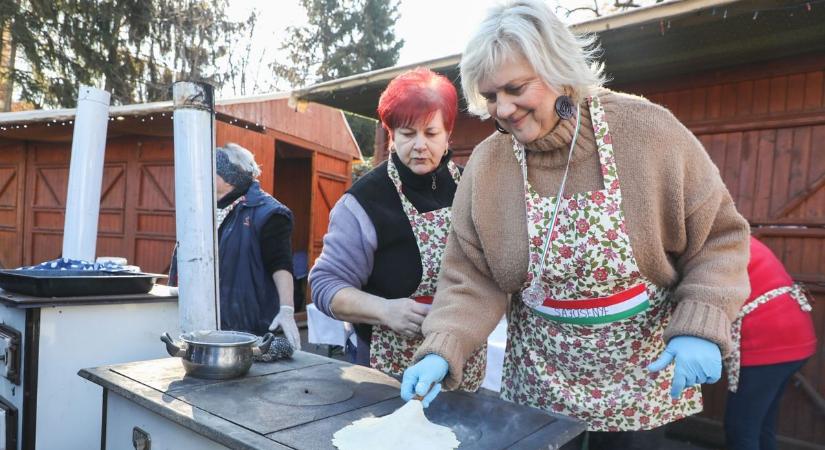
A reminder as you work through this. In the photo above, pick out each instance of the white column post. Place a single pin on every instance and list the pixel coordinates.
(86, 174)
(195, 224)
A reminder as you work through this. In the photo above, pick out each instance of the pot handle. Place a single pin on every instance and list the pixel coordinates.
(171, 347)
(265, 344)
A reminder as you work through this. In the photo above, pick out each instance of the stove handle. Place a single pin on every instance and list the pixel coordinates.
(171, 347)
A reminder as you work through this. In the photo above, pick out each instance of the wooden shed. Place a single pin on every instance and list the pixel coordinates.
(305, 158)
(748, 79)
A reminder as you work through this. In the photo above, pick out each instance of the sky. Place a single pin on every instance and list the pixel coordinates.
(430, 28)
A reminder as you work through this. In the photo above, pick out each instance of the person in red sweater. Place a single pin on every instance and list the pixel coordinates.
(776, 336)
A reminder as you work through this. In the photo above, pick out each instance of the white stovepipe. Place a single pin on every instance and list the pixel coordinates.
(86, 174)
(195, 224)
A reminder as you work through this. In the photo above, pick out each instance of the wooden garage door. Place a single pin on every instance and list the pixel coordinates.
(151, 198)
(137, 210)
(12, 176)
(47, 177)
(329, 186)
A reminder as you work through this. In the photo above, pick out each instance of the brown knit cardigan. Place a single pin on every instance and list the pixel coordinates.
(684, 228)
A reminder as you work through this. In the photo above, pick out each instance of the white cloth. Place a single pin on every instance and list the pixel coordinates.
(496, 342)
(324, 330)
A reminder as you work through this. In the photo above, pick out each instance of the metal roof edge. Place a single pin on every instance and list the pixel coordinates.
(647, 14)
(136, 109)
(278, 95)
(351, 136)
(385, 74)
(44, 115)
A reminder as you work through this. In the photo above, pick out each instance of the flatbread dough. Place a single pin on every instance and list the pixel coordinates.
(407, 428)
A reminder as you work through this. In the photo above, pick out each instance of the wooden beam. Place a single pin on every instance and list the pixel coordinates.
(801, 232)
(294, 140)
(762, 122)
(800, 198)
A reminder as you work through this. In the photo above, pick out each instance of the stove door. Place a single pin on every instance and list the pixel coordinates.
(8, 425)
(10, 354)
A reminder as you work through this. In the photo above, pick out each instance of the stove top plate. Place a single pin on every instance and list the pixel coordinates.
(277, 401)
(310, 393)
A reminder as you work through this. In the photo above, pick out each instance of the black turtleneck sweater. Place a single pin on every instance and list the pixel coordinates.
(397, 268)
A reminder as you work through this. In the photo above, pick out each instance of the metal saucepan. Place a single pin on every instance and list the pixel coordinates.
(217, 354)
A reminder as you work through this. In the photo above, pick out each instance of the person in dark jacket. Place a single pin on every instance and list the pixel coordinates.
(254, 250)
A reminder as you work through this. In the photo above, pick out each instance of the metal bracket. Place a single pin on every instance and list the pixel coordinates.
(141, 439)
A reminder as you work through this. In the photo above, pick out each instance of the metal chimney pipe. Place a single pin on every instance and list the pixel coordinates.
(195, 223)
(86, 174)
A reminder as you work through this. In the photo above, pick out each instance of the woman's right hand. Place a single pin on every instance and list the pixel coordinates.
(423, 379)
(404, 316)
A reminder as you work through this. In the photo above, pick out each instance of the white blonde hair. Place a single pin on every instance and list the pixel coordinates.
(242, 158)
(529, 28)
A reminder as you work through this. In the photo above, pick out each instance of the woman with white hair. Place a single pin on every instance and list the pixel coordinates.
(605, 221)
(254, 249)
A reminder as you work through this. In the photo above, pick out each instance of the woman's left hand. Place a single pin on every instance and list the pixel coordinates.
(697, 361)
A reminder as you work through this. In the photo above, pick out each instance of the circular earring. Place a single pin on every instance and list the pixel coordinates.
(564, 106)
(499, 128)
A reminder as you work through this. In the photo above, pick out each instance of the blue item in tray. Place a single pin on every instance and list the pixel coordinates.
(77, 264)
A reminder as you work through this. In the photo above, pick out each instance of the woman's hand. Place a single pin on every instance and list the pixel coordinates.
(697, 361)
(423, 379)
(404, 316)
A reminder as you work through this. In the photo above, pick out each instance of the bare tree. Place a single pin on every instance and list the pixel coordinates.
(598, 8)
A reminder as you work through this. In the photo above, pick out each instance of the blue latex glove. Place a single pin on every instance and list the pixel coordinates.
(419, 377)
(697, 361)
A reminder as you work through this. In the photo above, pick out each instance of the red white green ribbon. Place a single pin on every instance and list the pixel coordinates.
(596, 310)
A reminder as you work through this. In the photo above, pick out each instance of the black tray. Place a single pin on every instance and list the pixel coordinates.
(76, 283)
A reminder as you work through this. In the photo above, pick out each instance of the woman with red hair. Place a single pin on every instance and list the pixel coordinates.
(382, 253)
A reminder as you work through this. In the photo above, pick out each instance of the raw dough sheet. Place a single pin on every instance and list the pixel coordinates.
(407, 428)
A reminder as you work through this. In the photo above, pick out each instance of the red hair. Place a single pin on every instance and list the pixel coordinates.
(414, 97)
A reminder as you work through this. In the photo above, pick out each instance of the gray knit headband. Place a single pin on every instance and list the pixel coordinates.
(231, 173)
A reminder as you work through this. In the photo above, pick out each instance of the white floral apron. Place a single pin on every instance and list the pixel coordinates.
(585, 350)
(391, 352)
(734, 360)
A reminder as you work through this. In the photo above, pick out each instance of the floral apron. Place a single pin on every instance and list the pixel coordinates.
(733, 361)
(585, 350)
(391, 352)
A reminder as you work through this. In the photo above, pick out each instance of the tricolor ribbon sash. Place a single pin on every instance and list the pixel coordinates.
(596, 310)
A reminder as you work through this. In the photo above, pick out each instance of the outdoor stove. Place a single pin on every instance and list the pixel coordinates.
(46, 340)
(297, 403)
